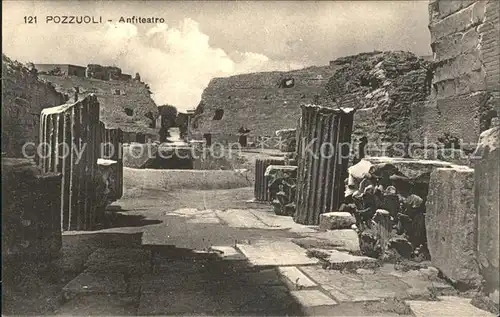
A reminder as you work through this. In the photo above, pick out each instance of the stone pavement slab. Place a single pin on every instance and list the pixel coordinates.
(295, 277)
(312, 298)
(352, 287)
(121, 260)
(242, 218)
(337, 260)
(281, 222)
(275, 253)
(447, 306)
(100, 305)
(342, 240)
(94, 283)
(228, 253)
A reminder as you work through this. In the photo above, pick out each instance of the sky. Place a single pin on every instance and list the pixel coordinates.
(202, 40)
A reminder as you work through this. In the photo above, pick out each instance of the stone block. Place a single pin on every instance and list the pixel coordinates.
(293, 276)
(486, 188)
(458, 116)
(336, 260)
(455, 44)
(336, 220)
(458, 21)
(447, 306)
(456, 67)
(312, 298)
(450, 222)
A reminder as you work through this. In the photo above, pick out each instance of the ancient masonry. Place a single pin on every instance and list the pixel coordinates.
(24, 96)
(465, 94)
(321, 169)
(77, 127)
(269, 98)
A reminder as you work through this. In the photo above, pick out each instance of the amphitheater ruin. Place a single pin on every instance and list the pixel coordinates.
(380, 159)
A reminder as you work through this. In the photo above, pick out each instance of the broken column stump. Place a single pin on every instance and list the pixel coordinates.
(282, 184)
(323, 155)
(71, 139)
(261, 191)
(450, 220)
(486, 201)
(111, 149)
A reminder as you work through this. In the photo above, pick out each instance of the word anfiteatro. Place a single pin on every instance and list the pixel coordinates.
(136, 20)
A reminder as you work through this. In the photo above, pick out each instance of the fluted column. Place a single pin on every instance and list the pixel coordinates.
(322, 161)
(71, 139)
(261, 191)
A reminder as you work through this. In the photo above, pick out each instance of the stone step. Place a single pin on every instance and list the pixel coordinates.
(337, 260)
(295, 278)
(451, 306)
(275, 253)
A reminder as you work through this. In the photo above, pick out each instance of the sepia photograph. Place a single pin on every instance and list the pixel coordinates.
(250, 158)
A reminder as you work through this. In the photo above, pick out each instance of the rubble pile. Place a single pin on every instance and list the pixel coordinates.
(387, 198)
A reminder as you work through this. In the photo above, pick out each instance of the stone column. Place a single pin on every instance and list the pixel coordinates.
(71, 139)
(322, 163)
(111, 149)
(261, 191)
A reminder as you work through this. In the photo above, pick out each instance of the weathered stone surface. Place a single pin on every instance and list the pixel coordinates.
(450, 210)
(336, 220)
(294, 277)
(451, 115)
(282, 187)
(413, 169)
(351, 287)
(322, 161)
(342, 240)
(278, 253)
(337, 260)
(447, 306)
(486, 190)
(77, 126)
(312, 298)
(24, 97)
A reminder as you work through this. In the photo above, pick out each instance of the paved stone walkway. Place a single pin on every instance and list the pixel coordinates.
(240, 262)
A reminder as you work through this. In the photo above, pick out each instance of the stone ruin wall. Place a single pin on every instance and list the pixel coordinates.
(384, 88)
(465, 94)
(24, 97)
(257, 102)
